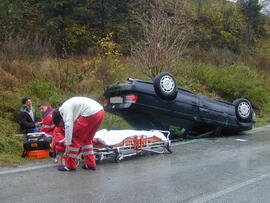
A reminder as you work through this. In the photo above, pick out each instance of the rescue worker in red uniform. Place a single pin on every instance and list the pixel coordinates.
(81, 118)
(58, 145)
(47, 125)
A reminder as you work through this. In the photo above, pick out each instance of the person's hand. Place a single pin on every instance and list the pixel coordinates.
(67, 149)
(37, 124)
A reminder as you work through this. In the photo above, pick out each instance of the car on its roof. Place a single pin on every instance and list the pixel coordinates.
(161, 105)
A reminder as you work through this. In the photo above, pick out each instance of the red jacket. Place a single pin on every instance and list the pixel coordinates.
(47, 123)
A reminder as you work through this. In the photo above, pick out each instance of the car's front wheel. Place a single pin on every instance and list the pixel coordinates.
(165, 86)
(243, 109)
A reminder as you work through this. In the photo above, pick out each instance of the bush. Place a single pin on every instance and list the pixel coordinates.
(26, 47)
(262, 62)
(106, 68)
(9, 144)
(112, 121)
(235, 81)
(44, 91)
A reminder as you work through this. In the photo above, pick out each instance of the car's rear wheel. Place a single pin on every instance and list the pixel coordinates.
(165, 86)
(243, 109)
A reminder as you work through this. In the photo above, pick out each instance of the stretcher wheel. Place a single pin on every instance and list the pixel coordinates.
(99, 157)
(117, 158)
(168, 147)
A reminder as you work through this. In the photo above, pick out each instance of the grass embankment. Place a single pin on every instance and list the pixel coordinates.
(54, 81)
(222, 60)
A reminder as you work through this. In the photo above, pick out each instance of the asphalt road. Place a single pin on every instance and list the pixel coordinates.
(226, 169)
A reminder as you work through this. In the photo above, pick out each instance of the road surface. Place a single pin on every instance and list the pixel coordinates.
(225, 169)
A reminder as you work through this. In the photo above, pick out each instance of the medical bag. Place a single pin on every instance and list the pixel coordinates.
(36, 145)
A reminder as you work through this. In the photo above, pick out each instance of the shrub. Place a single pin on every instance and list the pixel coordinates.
(106, 67)
(8, 80)
(26, 47)
(20, 69)
(41, 90)
(65, 73)
(112, 121)
(9, 144)
(235, 81)
(262, 62)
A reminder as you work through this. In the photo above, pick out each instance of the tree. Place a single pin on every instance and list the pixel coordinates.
(18, 18)
(165, 31)
(71, 25)
(220, 25)
(254, 18)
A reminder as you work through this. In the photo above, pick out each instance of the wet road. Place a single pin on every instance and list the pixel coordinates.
(227, 169)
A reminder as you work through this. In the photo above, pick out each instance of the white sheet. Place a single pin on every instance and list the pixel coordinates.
(113, 137)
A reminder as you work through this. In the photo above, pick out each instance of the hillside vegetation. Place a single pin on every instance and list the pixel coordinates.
(52, 50)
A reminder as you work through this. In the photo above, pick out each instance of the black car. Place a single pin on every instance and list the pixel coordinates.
(161, 105)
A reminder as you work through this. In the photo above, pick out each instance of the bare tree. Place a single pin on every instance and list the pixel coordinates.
(165, 31)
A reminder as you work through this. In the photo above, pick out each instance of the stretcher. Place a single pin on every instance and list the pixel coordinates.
(119, 144)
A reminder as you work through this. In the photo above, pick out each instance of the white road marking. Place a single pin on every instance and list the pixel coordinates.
(10, 171)
(233, 188)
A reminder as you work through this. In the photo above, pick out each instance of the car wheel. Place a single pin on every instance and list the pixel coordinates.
(243, 109)
(165, 86)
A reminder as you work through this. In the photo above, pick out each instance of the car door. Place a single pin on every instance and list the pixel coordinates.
(212, 111)
(187, 105)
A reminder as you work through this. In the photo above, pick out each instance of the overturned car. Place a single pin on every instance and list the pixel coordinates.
(161, 105)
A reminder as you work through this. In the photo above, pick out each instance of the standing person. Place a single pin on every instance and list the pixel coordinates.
(81, 117)
(27, 117)
(47, 124)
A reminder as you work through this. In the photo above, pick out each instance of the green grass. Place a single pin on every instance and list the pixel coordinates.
(206, 83)
(10, 160)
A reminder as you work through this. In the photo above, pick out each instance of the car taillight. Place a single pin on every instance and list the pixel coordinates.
(106, 102)
(131, 98)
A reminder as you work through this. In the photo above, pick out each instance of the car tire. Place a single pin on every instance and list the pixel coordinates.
(243, 109)
(165, 86)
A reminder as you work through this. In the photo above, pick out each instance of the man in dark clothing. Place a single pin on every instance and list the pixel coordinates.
(27, 117)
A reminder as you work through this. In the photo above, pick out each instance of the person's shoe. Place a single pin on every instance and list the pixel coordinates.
(64, 168)
(89, 167)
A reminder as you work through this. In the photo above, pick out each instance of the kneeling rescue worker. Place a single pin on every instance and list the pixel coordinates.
(81, 117)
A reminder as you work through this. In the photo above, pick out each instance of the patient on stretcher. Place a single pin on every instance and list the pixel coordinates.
(117, 143)
(114, 137)
(108, 137)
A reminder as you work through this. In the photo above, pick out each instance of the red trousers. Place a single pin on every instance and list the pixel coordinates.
(58, 144)
(84, 131)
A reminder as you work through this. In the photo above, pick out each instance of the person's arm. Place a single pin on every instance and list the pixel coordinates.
(68, 132)
(24, 122)
(67, 115)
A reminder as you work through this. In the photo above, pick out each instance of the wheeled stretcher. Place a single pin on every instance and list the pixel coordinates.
(119, 144)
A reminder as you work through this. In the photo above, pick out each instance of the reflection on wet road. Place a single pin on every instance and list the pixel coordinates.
(227, 169)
